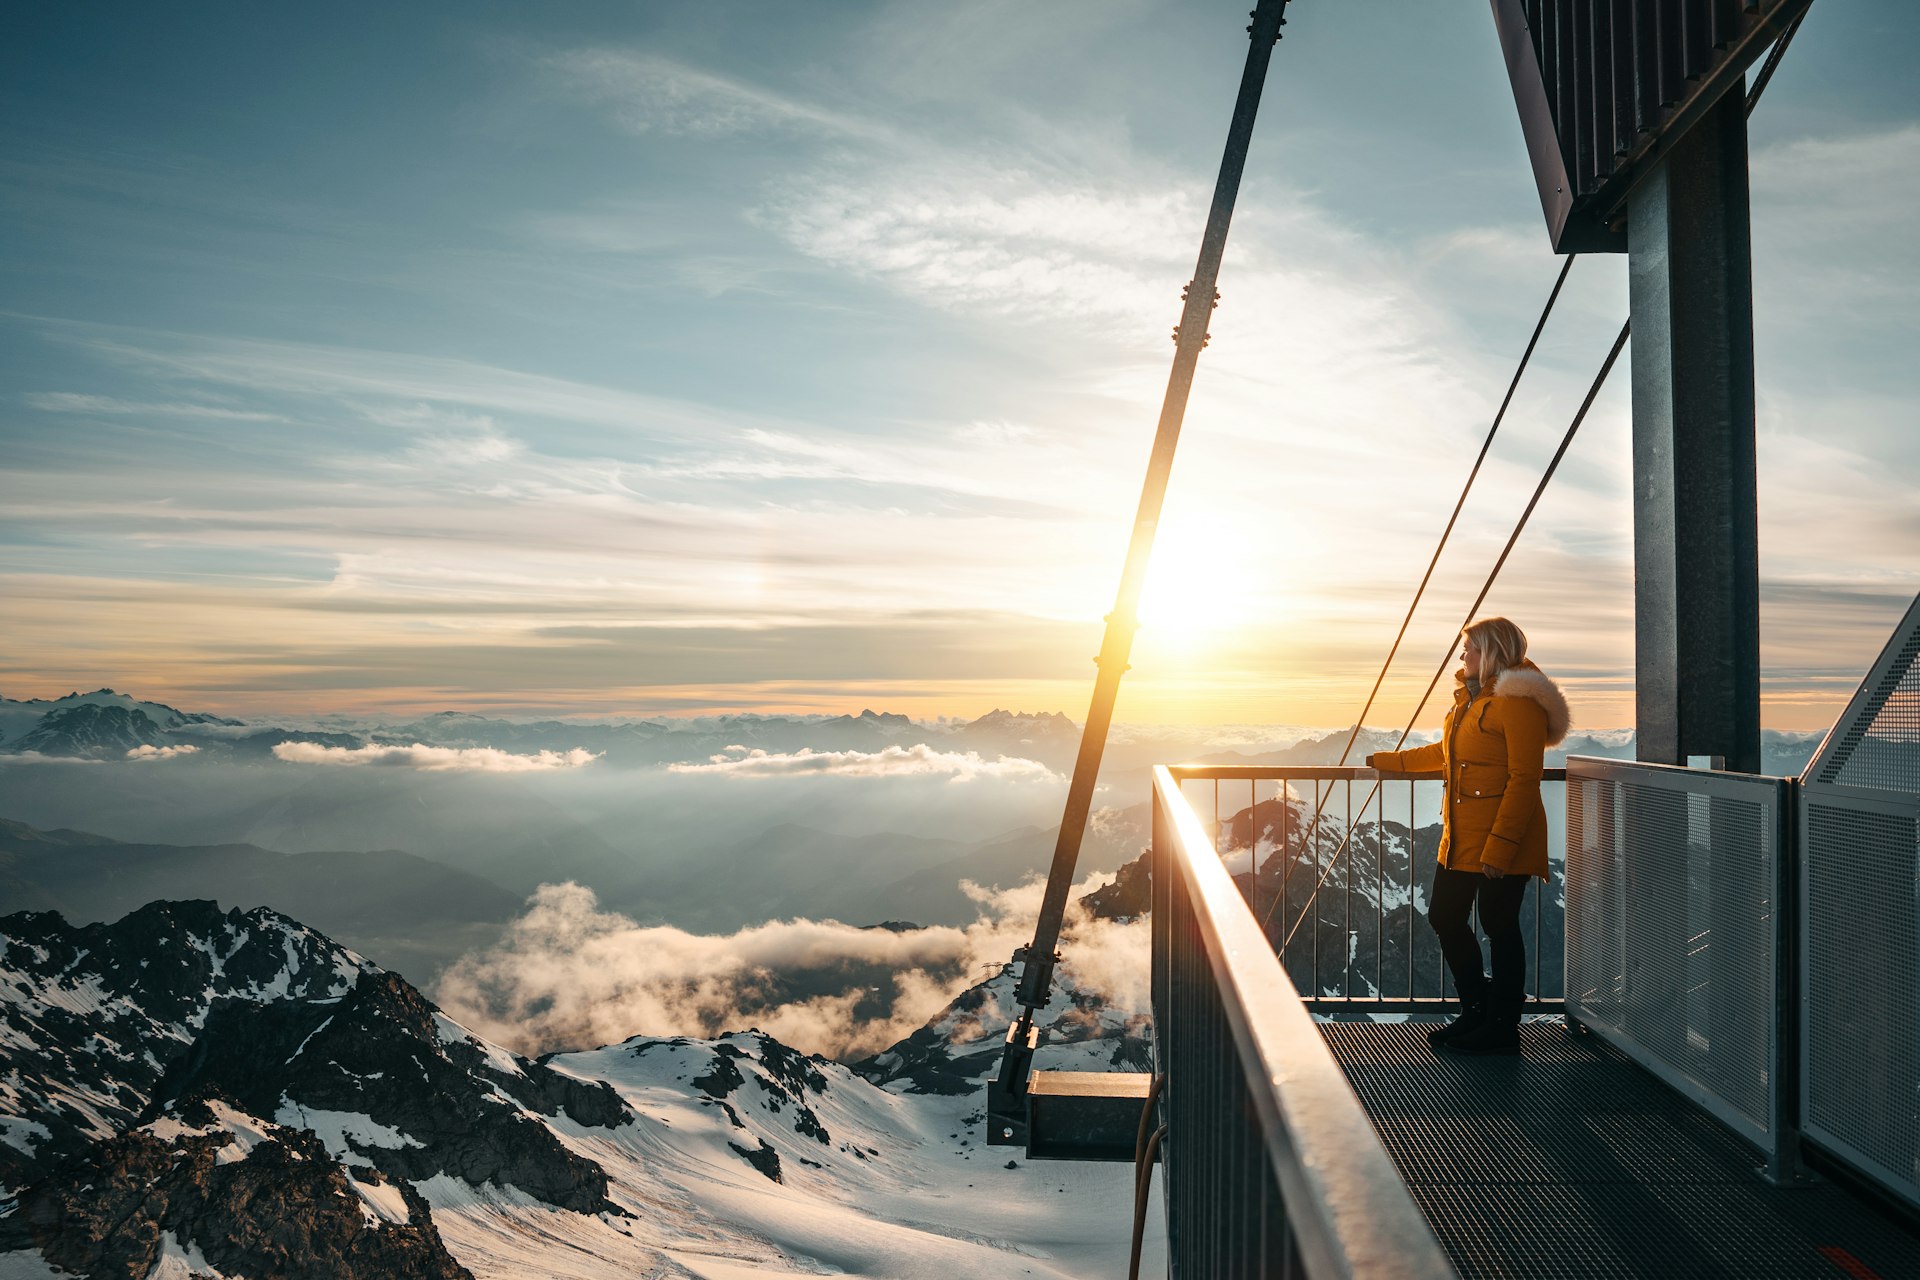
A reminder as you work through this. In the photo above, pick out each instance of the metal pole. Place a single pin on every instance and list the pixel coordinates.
(1006, 1099)
(1253, 843)
(1696, 530)
(1347, 987)
(1286, 863)
(1379, 894)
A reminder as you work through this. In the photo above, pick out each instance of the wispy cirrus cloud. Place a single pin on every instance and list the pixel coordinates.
(917, 761)
(357, 375)
(998, 238)
(76, 402)
(434, 759)
(646, 93)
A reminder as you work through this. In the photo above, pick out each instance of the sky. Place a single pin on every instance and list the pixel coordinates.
(672, 358)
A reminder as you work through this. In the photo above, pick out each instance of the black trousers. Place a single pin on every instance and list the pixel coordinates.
(1448, 906)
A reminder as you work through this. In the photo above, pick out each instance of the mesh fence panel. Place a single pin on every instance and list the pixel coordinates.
(1862, 1038)
(1860, 920)
(1880, 749)
(1671, 928)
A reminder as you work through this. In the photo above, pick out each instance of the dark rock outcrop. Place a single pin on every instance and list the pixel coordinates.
(377, 1051)
(287, 1208)
(1130, 894)
(766, 1159)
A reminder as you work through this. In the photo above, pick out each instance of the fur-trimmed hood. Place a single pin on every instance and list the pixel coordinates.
(1529, 681)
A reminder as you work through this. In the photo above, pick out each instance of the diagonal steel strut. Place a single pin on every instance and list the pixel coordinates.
(1007, 1094)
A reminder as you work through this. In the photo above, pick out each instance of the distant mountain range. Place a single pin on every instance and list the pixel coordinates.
(198, 1092)
(412, 914)
(105, 725)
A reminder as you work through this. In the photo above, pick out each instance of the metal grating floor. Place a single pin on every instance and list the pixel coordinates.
(1571, 1163)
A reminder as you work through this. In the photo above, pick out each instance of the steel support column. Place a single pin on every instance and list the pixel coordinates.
(1696, 553)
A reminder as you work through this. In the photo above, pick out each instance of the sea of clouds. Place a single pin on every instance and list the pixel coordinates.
(568, 974)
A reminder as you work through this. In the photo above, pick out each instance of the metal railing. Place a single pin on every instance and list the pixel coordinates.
(1859, 917)
(1343, 899)
(1678, 933)
(1272, 1167)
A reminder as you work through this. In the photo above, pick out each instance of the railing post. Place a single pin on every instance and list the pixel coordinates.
(1784, 1164)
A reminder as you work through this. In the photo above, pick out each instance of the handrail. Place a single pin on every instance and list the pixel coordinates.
(1349, 1212)
(1312, 772)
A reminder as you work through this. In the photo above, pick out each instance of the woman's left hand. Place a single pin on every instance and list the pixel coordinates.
(1491, 873)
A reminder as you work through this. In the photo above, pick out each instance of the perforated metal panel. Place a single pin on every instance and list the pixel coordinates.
(1860, 923)
(1880, 750)
(1673, 886)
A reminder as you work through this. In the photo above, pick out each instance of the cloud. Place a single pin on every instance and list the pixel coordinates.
(569, 975)
(74, 402)
(434, 759)
(919, 760)
(147, 751)
(1000, 240)
(443, 384)
(415, 416)
(650, 94)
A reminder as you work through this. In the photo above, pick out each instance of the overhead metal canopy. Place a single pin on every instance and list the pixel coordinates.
(1605, 87)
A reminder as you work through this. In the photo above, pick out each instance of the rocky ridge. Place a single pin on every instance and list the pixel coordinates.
(151, 1059)
(190, 1091)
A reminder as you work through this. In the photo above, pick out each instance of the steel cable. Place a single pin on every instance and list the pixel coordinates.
(1760, 82)
(1142, 1186)
(1460, 503)
(1472, 475)
(1566, 441)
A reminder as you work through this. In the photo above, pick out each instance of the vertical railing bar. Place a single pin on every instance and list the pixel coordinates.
(1413, 991)
(1379, 894)
(1346, 943)
(1286, 863)
(1313, 900)
(1253, 843)
(1539, 909)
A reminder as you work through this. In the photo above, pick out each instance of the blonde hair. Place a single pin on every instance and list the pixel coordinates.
(1502, 645)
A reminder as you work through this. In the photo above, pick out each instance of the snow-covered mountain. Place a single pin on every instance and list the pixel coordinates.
(191, 1091)
(90, 730)
(959, 1049)
(94, 724)
(106, 725)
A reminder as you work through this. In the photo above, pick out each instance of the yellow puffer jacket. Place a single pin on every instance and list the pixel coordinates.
(1490, 754)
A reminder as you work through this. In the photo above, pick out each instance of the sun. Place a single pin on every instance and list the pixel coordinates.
(1201, 584)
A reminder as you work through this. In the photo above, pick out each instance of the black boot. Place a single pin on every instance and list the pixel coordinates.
(1497, 1035)
(1473, 1012)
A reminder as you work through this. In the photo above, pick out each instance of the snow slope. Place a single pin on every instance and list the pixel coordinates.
(306, 1104)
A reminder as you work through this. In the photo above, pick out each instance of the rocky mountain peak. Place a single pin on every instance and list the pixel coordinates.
(128, 1040)
(959, 1047)
(92, 729)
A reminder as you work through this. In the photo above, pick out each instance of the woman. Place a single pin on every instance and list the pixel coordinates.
(1505, 714)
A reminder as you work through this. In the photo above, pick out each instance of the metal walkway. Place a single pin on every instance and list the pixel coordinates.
(1573, 1162)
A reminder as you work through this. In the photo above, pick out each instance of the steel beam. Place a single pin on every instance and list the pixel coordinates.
(1696, 544)
(1006, 1092)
